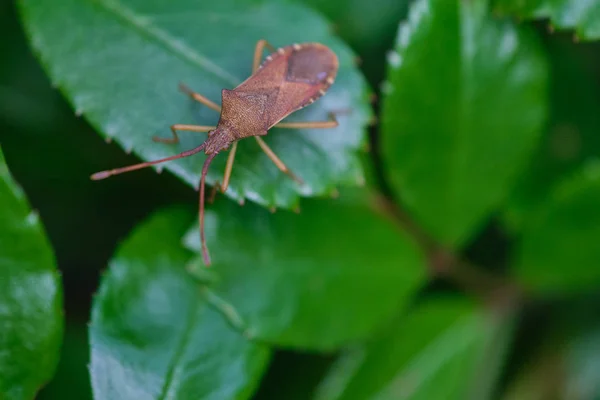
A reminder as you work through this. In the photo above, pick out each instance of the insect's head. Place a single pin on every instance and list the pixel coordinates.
(218, 140)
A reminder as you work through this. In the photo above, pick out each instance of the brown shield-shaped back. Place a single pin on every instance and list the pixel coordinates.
(289, 79)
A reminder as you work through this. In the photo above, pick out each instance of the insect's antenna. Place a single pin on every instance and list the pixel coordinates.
(111, 172)
(205, 255)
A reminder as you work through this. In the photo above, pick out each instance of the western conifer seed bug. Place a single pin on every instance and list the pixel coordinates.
(290, 78)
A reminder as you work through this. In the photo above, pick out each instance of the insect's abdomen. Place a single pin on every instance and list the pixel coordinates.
(311, 70)
(292, 78)
(313, 64)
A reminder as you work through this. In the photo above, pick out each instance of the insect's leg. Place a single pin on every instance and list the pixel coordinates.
(276, 159)
(198, 97)
(213, 192)
(228, 167)
(182, 127)
(258, 50)
(331, 123)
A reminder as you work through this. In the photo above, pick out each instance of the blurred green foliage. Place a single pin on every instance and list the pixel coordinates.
(468, 267)
(30, 296)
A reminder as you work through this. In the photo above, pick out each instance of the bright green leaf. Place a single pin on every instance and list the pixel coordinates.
(333, 273)
(443, 349)
(121, 63)
(570, 138)
(559, 249)
(153, 336)
(31, 317)
(465, 103)
(581, 15)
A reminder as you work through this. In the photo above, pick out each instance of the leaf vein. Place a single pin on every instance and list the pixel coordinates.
(171, 43)
(179, 352)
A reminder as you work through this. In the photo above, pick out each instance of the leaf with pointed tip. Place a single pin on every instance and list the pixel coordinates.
(121, 63)
(559, 249)
(465, 103)
(153, 334)
(581, 15)
(332, 274)
(31, 317)
(444, 348)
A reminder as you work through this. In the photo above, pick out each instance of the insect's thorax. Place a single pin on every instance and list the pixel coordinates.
(246, 113)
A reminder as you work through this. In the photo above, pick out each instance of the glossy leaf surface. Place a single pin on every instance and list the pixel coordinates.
(330, 275)
(121, 64)
(444, 348)
(465, 103)
(154, 336)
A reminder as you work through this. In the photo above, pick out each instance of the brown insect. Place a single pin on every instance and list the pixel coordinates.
(289, 79)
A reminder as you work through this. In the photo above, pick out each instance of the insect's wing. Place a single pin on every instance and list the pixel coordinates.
(294, 77)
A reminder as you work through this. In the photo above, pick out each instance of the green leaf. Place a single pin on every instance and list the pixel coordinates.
(30, 296)
(581, 15)
(443, 349)
(121, 63)
(153, 336)
(571, 136)
(559, 249)
(466, 98)
(332, 274)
